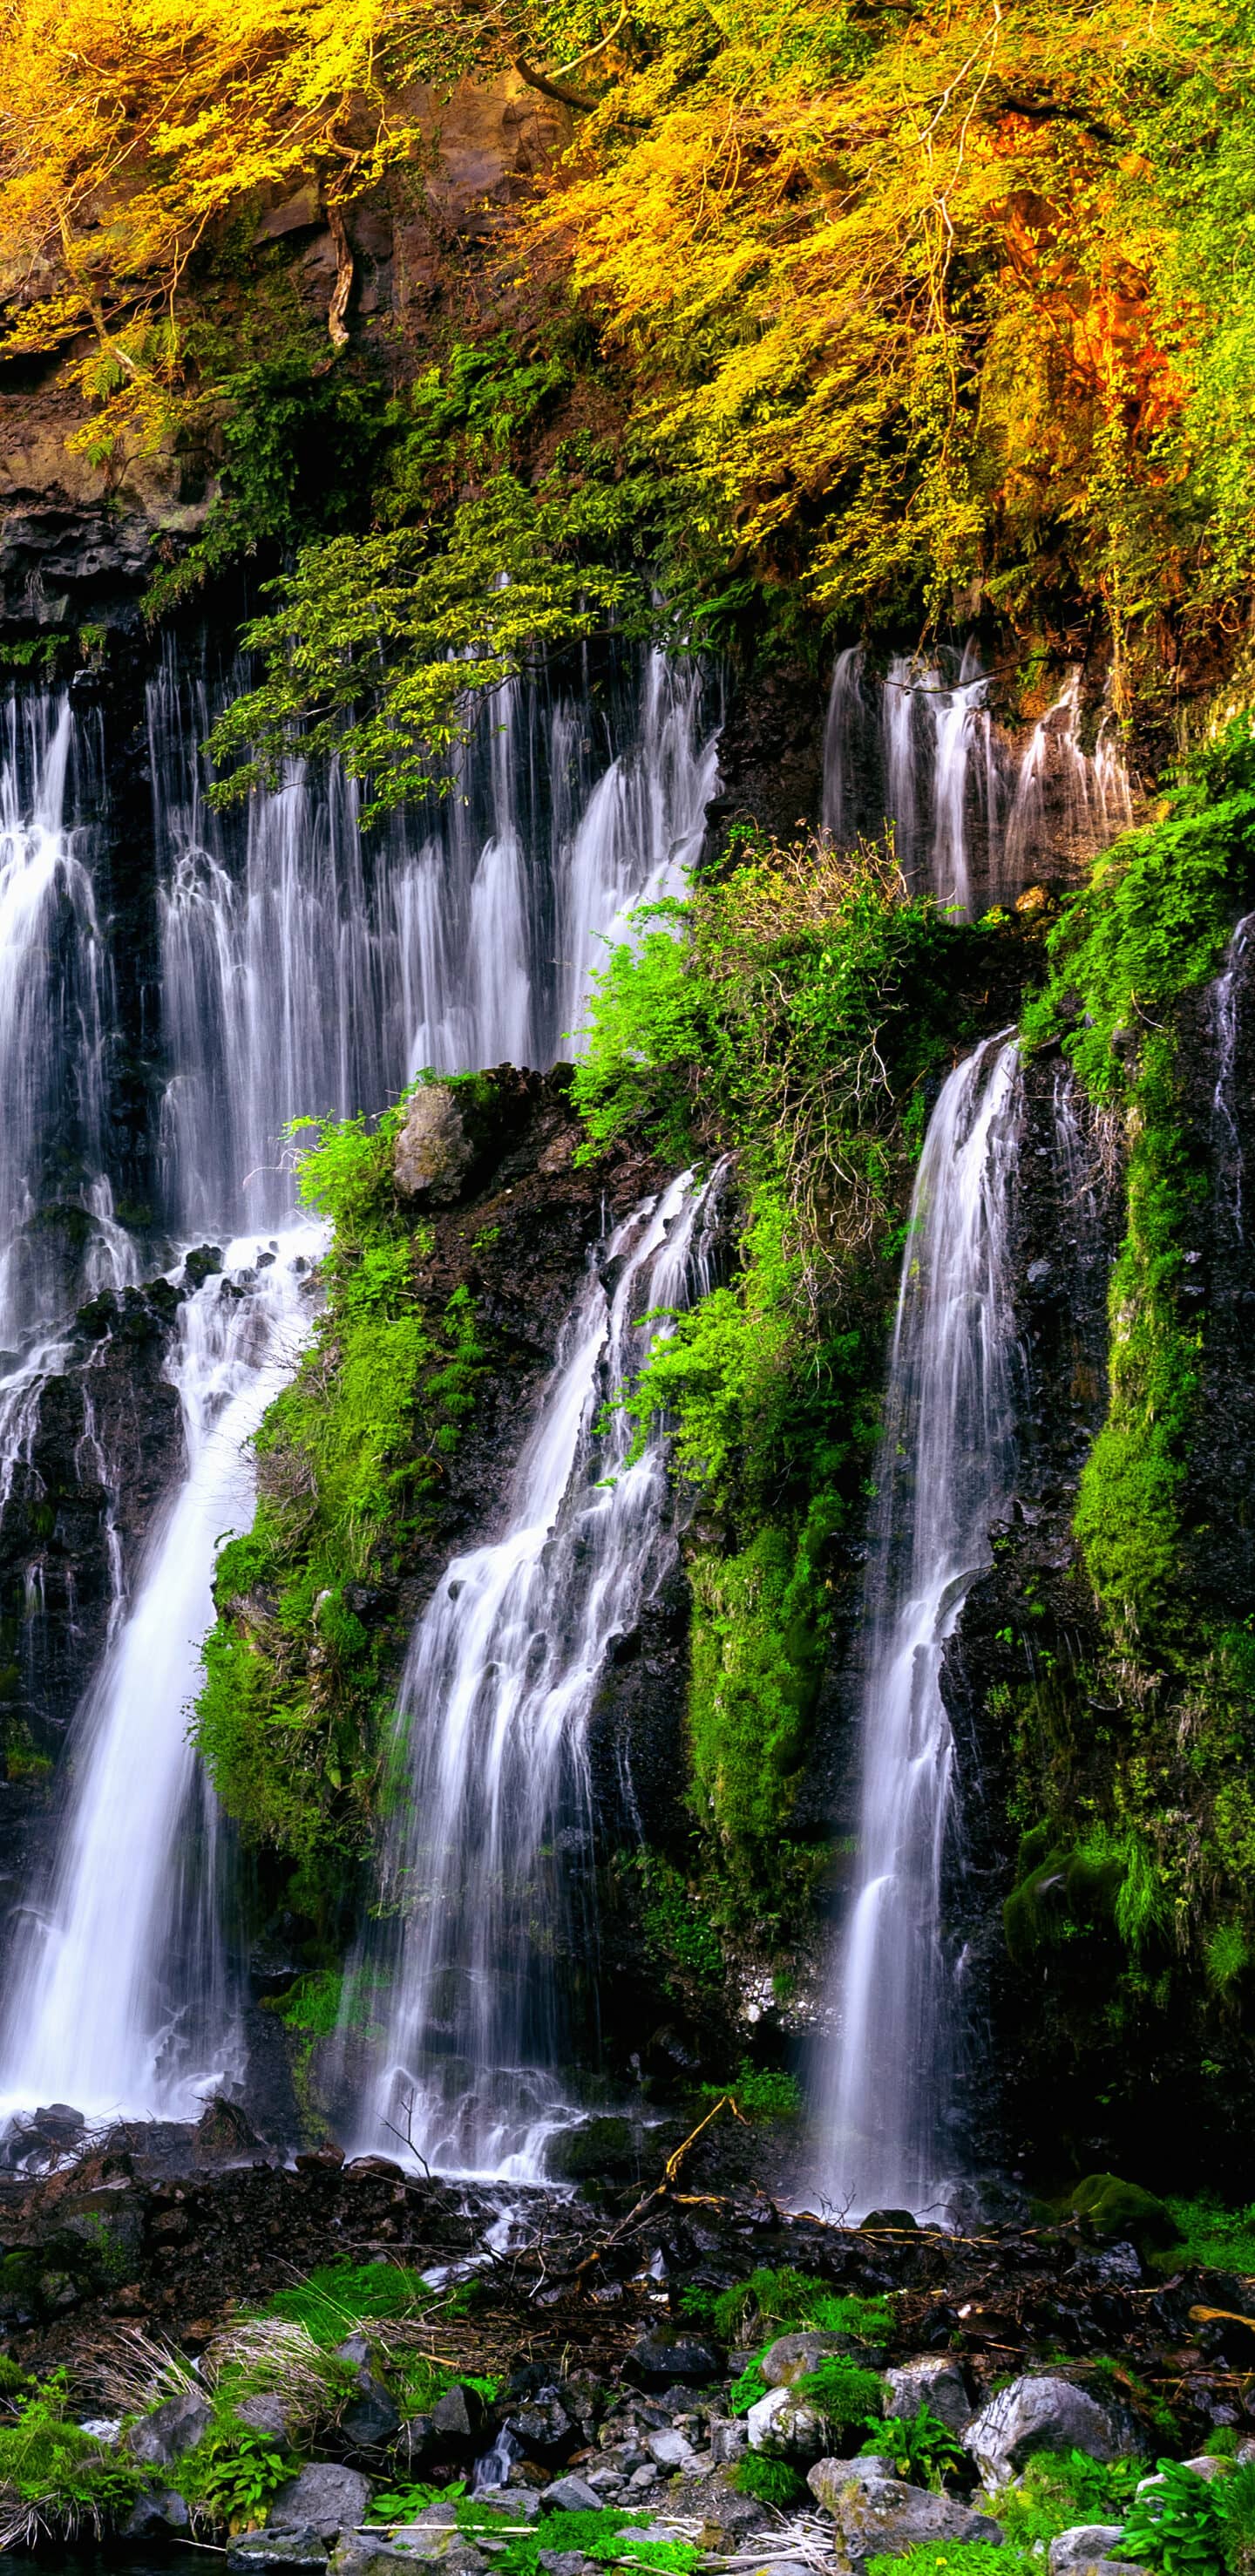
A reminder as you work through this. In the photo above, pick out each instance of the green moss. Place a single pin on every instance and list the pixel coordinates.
(774, 2482)
(54, 2478)
(298, 1692)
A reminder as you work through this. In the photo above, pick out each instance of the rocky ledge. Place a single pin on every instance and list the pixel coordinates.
(350, 2364)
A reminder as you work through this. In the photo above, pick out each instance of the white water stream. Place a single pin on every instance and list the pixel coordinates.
(494, 1836)
(298, 973)
(119, 1999)
(943, 1476)
(918, 749)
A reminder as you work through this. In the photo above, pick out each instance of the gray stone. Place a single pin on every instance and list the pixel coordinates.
(1045, 2414)
(779, 2567)
(1208, 2466)
(662, 2360)
(792, 2354)
(326, 2498)
(161, 2515)
(459, 2414)
(880, 2516)
(728, 2439)
(784, 2427)
(561, 2562)
(355, 2350)
(371, 2417)
(670, 2450)
(1244, 2456)
(1083, 2547)
(266, 2414)
(414, 2441)
(570, 2495)
(433, 1152)
(289, 2553)
(929, 2379)
(162, 2437)
(542, 2425)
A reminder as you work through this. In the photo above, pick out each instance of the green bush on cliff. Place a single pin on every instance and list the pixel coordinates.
(787, 1013)
(1151, 923)
(55, 2479)
(297, 1686)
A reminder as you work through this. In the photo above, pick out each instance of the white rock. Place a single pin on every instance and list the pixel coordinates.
(785, 2427)
(1045, 2414)
(929, 2379)
(1085, 2546)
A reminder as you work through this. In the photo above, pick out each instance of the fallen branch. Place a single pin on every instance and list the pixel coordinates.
(670, 2174)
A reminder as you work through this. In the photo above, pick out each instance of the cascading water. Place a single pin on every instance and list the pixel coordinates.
(53, 1020)
(119, 1999)
(944, 1471)
(494, 1838)
(297, 973)
(302, 975)
(1226, 1000)
(918, 749)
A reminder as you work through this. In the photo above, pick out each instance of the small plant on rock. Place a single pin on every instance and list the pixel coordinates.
(768, 2481)
(922, 2451)
(1177, 2524)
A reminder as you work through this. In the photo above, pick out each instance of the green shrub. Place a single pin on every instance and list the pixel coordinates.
(1223, 2239)
(1178, 2524)
(774, 2482)
(54, 2478)
(1061, 2488)
(922, 2450)
(761, 2092)
(783, 2298)
(842, 2390)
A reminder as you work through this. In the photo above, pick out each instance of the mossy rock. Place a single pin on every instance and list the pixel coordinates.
(1113, 2208)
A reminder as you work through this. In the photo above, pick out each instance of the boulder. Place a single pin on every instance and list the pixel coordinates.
(570, 2495)
(728, 2439)
(371, 2416)
(929, 2379)
(434, 1151)
(288, 2553)
(790, 2355)
(1122, 2209)
(459, 2414)
(542, 2425)
(670, 2450)
(266, 2414)
(326, 2498)
(880, 2516)
(562, 2562)
(786, 2428)
(162, 2438)
(664, 2360)
(160, 2515)
(1045, 2414)
(1086, 2546)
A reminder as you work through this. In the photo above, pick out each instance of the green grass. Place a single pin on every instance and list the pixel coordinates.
(1223, 2239)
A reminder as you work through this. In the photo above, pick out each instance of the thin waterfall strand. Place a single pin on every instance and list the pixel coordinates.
(944, 1471)
(495, 1703)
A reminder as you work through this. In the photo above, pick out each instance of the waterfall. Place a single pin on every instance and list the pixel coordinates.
(943, 1476)
(492, 1846)
(54, 1012)
(919, 750)
(119, 1999)
(1066, 801)
(303, 973)
(1226, 1005)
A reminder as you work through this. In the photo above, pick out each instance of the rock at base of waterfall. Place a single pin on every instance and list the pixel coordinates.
(1043, 2414)
(266, 2414)
(459, 2415)
(791, 2354)
(162, 2437)
(1088, 2545)
(433, 1152)
(326, 2498)
(784, 2427)
(570, 2495)
(287, 2553)
(162, 2515)
(928, 2379)
(879, 2516)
